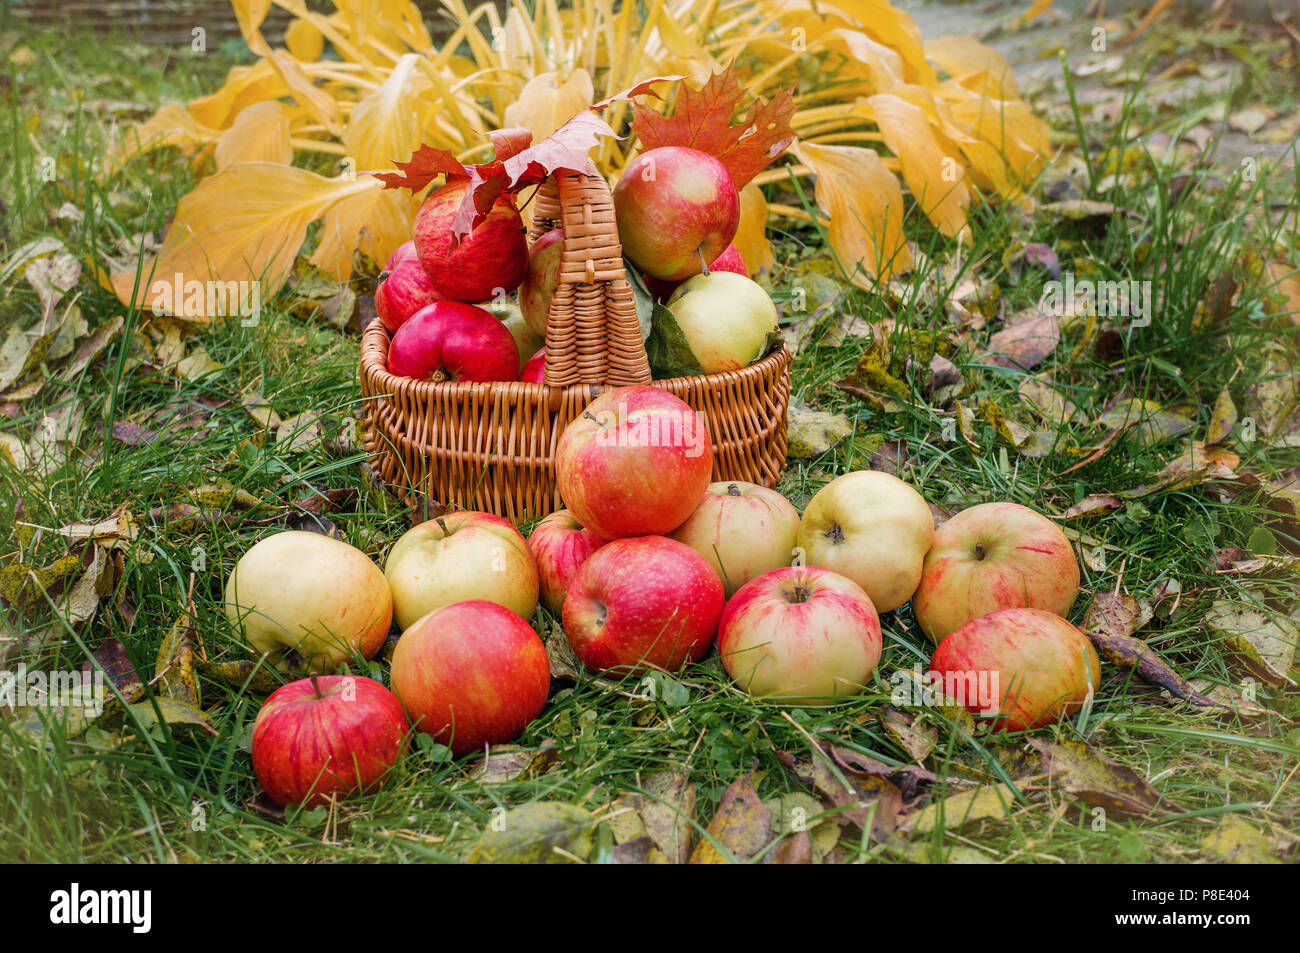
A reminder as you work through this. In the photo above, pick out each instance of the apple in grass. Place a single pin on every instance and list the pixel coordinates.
(453, 341)
(635, 462)
(729, 260)
(487, 262)
(725, 319)
(534, 371)
(743, 530)
(462, 555)
(994, 556)
(402, 292)
(403, 252)
(643, 602)
(541, 279)
(800, 634)
(677, 210)
(300, 596)
(560, 545)
(1027, 667)
(326, 736)
(873, 528)
(471, 673)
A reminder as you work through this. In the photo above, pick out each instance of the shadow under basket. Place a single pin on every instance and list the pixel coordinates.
(490, 445)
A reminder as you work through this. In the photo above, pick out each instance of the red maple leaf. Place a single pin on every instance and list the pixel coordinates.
(702, 120)
(518, 161)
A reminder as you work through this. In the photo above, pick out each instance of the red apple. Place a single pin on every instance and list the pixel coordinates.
(729, 260)
(471, 673)
(458, 556)
(994, 556)
(801, 634)
(636, 462)
(401, 253)
(488, 262)
(541, 279)
(677, 209)
(326, 736)
(402, 292)
(641, 603)
(1027, 666)
(452, 341)
(535, 370)
(560, 546)
(743, 530)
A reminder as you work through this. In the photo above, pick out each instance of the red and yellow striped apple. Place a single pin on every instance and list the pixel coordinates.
(800, 634)
(487, 263)
(471, 674)
(560, 545)
(635, 462)
(453, 341)
(994, 556)
(1039, 666)
(402, 292)
(645, 602)
(677, 209)
(326, 736)
(743, 530)
(541, 279)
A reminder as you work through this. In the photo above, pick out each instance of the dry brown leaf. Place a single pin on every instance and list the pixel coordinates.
(741, 828)
(1095, 779)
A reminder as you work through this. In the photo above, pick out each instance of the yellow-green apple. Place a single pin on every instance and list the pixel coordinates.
(635, 462)
(743, 530)
(327, 736)
(300, 595)
(677, 209)
(873, 528)
(644, 602)
(534, 371)
(560, 545)
(401, 253)
(726, 319)
(453, 341)
(471, 674)
(541, 279)
(526, 342)
(462, 555)
(729, 260)
(1030, 666)
(994, 556)
(402, 292)
(486, 263)
(801, 634)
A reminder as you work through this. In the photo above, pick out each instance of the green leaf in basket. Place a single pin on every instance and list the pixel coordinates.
(645, 301)
(668, 349)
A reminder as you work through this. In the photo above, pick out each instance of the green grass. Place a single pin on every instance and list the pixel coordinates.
(128, 789)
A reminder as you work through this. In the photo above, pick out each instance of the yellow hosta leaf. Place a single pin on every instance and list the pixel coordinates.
(244, 86)
(173, 125)
(243, 225)
(318, 103)
(250, 14)
(389, 124)
(374, 221)
(1010, 126)
(865, 205)
(884, 65)
(259, 134)
(986, 166)
(549, 101)
(934, 175)
(891, 26)
(304, 41)
(751, 235)
(974, 65)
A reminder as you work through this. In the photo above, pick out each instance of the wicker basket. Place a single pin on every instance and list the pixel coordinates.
(490, 445)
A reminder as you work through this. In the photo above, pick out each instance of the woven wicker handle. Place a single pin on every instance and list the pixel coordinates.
(592, 333)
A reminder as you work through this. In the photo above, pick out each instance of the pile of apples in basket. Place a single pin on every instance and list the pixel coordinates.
(650, 566)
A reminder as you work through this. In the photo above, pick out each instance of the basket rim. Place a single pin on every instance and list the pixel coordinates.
(386, 383)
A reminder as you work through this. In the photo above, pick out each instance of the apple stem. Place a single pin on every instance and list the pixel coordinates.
(315, 687)
(440, 376)
(979, 550)
(441, 525)
(384, 275)
(800, 594)
(589, 415)
(704, 265)
(733, 490)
